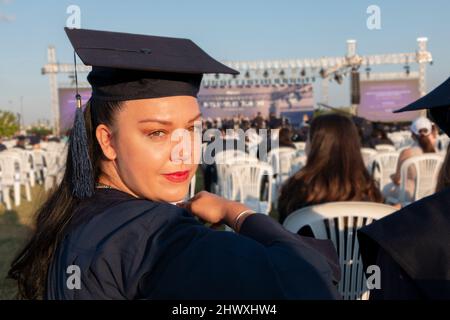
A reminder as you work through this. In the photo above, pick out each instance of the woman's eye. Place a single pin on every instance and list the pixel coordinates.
(191, 128)
(157, 134)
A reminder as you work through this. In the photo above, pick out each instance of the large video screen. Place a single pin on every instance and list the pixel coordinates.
(290, 101)
(380, 98)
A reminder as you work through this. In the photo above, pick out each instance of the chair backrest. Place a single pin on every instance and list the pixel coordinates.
(443, 141)
(224, 163)
(339, 222)
(300, 145)
(297, 163)
(421, 170)
(53, 160)
(11, 167)
(397, 139)
(229, 156)
(39, 158)
(385, 148)
(384, 164)
(280, 159)
(249, 179)
(192, 186)
(368, 154)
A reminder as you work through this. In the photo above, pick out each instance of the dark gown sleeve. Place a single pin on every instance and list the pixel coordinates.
(264, 262)
(144, 250)
(395, 282)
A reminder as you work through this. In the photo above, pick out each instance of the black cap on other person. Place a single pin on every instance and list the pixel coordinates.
(438, 103)
(129, 67)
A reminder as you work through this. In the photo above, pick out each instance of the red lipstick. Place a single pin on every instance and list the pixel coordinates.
(178, 176)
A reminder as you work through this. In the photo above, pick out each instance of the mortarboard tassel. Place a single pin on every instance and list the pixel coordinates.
(82, 176)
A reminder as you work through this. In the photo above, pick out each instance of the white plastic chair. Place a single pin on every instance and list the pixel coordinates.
(397, 140)
(53, 161)
(339, 222)
(300, 145)
(385, 148)
(225, 160)
(281, 161)
(4, 190)
(368, 154)
(427, 168)
(40, 166)
(297, 163)
(383, 166)
(26, 169)
(247, 181)
(192, 186)
(11, 175)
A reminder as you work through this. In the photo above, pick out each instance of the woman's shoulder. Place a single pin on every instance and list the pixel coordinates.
(125, 222)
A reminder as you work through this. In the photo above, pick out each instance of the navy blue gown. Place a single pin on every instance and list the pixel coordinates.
(129, 248)
(412, 249)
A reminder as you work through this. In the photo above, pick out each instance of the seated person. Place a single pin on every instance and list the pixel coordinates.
(334, 170)
(424, 142)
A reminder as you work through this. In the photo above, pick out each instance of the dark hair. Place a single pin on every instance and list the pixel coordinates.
(285, 136)
(334, 170)
(443, 180)
(31, 265)
(424, 142)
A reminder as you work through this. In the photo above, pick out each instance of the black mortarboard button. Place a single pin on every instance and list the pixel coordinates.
(128, 67)
(438, 103)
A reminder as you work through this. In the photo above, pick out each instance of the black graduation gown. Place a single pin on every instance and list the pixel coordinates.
(128, 248)
(412, 249)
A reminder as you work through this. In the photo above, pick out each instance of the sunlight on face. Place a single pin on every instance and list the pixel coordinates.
(146, 161)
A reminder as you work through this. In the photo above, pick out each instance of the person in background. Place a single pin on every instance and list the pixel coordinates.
(285, 140)
(379, 136)
(334, 170)
(424, 142)
(2, 146)
(35, 141)
(20, 143)
(258, 121)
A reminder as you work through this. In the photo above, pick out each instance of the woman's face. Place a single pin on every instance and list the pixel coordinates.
(152, 159)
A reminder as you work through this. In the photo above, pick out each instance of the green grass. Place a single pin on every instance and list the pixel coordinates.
(14, 230)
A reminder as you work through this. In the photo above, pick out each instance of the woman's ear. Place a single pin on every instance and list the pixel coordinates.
(104, 138)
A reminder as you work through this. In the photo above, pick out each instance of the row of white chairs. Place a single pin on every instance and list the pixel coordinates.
(382, 164)
(22, 169)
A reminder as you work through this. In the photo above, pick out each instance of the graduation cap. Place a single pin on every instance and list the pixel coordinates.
(128, 67)
(438, 103)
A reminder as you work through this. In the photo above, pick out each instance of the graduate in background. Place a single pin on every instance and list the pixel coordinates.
(112, 219)
(412, 246)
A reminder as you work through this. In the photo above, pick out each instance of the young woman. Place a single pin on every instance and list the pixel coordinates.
(124, 239)
(334, 170)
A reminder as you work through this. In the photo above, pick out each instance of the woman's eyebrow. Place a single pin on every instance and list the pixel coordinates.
(166, 122)
(196, 117)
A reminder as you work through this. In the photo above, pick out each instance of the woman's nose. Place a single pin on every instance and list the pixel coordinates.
(181, 152)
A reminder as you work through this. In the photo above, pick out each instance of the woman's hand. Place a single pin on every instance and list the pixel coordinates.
(214, 209)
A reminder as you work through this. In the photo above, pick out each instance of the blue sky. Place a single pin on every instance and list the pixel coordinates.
(228, 30)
